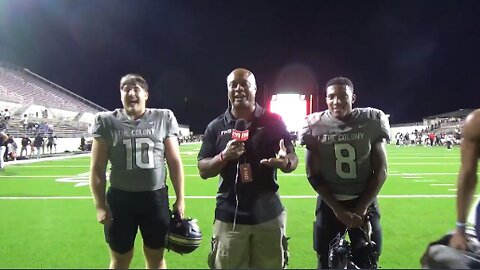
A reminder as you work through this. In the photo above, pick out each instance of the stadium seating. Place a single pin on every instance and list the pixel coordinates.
(23, 88)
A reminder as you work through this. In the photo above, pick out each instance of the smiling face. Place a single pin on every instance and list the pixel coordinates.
(241, 89)
(339, 100)
(134, 94)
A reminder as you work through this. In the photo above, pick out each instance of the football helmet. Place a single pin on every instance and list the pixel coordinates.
(363, 255)
(183, 236)
(439, 255)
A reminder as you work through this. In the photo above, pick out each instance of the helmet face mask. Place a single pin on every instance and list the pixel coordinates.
(343, 255)
(340, 253)
(183, 236)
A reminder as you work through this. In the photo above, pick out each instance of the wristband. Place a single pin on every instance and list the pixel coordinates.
(461, 226)
(222, 159)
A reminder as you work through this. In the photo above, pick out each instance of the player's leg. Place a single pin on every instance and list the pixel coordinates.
(154, 222)
(120, 235)
(2, 152)
(120, 260)
(269, 244)
(154, 258)
(325, 229)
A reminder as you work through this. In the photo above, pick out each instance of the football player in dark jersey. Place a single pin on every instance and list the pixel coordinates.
(467, 178)
(346, 165)
(136, 141)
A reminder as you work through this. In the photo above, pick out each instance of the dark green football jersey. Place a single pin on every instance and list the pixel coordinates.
(136, 147)
(344, 147)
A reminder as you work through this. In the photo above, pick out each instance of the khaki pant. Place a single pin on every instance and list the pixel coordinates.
(257, 246)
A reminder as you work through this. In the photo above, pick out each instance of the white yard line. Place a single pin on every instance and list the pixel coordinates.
(423, 163)
(405, 175)
(55, 166)
(213, 197)
(424, 157)
(27, 161)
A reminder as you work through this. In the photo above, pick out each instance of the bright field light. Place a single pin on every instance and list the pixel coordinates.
(291, 107)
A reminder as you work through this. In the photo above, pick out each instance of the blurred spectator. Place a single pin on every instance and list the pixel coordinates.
(82, 144)
(50, 142)
(24, 122)
(38, 143)
(25, 143)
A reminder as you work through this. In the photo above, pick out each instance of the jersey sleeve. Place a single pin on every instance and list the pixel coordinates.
(98, 126)
(306, 129)
(384, 130)
(172, 125)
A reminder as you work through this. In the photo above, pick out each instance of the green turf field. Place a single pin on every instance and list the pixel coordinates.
(47, 218)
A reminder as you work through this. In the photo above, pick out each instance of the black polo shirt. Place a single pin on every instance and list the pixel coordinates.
(258, 201)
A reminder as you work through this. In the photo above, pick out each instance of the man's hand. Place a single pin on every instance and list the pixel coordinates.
(458, 241)
(104, 216)
(350, 219)
(233, 150)
(179, 207)
(280, 161)
(361, 211)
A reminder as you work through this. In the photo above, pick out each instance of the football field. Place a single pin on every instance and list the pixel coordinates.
(48, 220)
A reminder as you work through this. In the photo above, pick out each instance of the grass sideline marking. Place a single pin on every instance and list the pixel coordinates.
(213, 197)
(405, 175)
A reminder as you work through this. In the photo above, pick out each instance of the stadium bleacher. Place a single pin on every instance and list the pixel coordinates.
(23, 89)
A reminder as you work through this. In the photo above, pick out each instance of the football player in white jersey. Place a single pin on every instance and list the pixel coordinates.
(136, 141)
(346, 165)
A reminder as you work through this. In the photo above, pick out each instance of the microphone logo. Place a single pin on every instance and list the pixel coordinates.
(240, 132)
(238, 135)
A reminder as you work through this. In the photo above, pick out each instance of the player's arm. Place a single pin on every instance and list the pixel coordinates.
(98, 168)
(174, 162)
(467, 178)
(379, 175)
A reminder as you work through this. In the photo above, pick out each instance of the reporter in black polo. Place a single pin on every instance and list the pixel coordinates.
(249, 228)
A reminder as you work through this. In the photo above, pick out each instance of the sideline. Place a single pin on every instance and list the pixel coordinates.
(419, 196)
(57, 157)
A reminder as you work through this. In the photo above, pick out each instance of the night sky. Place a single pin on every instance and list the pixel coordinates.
(409, 58)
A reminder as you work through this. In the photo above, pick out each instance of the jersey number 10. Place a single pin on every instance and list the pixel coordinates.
(140, 151)
(345, 165)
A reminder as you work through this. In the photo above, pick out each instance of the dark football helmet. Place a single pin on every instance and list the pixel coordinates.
(183, 236)
(340, 253)
(362, 255)
(439, 255)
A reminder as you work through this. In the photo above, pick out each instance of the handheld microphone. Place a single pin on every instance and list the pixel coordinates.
(240, 132)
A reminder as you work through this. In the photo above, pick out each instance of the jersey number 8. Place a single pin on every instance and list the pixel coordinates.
(345, 165)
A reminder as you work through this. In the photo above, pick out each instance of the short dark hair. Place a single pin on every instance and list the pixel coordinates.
(133, 78)
(340, 81)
